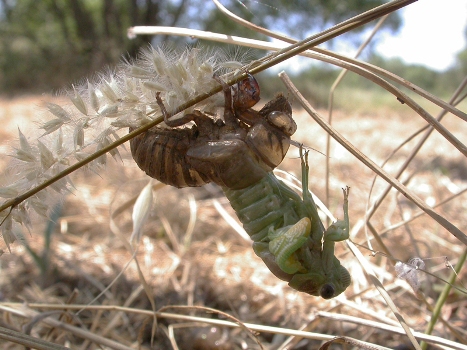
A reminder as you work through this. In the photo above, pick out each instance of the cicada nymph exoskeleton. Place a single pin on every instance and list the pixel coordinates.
(234, 153)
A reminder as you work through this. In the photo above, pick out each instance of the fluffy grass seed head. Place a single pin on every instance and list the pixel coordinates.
(99, 109)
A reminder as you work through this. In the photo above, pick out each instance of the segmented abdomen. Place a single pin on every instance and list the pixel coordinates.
(161, 154)
(263, 205)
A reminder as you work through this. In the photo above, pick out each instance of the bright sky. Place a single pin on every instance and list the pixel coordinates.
(432, 33)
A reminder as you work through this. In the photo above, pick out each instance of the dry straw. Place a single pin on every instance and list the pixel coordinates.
(80, 135)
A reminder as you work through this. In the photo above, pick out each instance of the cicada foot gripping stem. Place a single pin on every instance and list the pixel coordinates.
(303, 253)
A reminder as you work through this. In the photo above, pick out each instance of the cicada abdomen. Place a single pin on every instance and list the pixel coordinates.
(162, 154)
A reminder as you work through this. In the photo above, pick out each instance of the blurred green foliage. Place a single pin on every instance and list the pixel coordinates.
(49, 44)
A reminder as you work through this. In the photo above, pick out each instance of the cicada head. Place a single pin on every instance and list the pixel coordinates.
(327, 285)
(246, 93)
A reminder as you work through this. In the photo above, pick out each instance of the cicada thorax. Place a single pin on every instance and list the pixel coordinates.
(162, 154)
(269, 135)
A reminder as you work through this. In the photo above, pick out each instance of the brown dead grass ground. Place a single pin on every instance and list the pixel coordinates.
(218, 268)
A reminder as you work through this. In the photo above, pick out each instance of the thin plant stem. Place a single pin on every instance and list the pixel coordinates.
(443, 296)
(19, 309)
(415, 150)
(321, 55)
(331, 102)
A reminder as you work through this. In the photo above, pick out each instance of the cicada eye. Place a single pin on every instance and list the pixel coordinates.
(246, 93)
(327, 291)
(283, 122)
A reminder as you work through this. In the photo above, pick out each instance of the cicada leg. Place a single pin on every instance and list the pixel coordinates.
(229, 115)
(285, 242)
(200, 119)
(338, 231)
(309, 205)
(325, 276)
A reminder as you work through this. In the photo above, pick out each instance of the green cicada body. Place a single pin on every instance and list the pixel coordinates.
(289, 236)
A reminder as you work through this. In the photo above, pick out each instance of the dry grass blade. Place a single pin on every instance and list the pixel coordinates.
(372, 68)
(188, 272)
(370, 164)
(191, 224)
(370, 273)
(231, 221)
(395, 78)
(248, 326)
(415, 150)
(28, 341)
(332, 32)
(83, 333)
(420, 213)
(288, 51)
(18, 309)
(331, 99)
(354, 342)
(403, 98)
(392, 329)
(214, 311)
(443, 296)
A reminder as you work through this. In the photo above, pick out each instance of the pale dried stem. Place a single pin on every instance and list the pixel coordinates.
(19, 309)
(414, 152)
(372, 276)
(251, 25)
(403, 167)
(444, 295)
(328, 128)
(341, 75)
(233, 319)
(331, 101)
(420, 213)
(356, 65)
(321, 55)
(404, 99)
(191, 224)
(28, 341)
(272, 34)
(400, 95)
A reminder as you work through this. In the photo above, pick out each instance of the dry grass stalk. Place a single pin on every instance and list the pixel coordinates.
(194, 260)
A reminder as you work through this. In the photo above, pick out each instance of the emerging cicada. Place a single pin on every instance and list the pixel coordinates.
(239, 154)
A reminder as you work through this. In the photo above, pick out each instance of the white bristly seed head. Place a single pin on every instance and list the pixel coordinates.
(99, 109)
